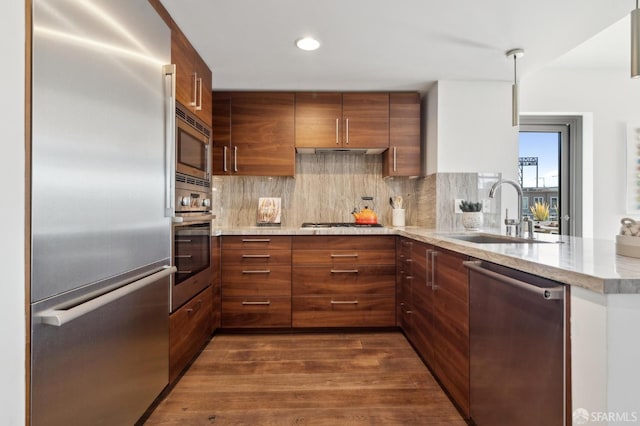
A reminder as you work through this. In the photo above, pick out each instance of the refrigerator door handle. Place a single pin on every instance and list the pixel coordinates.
(60, 317)
(170, 141)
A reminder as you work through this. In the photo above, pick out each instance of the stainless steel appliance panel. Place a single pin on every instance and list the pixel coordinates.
(192, 259)
(104, 360)
(99, 106)
(193, 145)
(517, 347)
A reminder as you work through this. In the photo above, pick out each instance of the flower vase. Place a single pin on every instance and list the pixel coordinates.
(472, 221)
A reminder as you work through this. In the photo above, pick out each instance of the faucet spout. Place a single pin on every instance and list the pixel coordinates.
(518, 188)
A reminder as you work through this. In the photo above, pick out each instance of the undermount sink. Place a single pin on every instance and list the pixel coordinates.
(495, 239)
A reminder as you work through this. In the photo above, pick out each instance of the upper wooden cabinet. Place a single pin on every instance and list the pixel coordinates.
(253, 134)
(404, 155)
(193, 77)
(366, 120)
(342, 120)
(318, 120)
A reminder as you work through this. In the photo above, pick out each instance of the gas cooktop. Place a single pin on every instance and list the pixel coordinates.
(339, 225)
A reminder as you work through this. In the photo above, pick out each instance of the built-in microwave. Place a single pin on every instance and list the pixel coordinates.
(193, 146)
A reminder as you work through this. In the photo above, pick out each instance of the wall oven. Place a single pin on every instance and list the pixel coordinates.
(193, 146)
(192, 258)
(191, 250)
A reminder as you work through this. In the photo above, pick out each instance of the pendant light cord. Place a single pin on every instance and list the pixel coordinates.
(515, 69)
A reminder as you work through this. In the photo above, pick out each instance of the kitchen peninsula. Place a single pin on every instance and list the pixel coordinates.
(604, 299)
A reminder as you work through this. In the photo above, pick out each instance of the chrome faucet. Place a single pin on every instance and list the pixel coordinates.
(517, 223)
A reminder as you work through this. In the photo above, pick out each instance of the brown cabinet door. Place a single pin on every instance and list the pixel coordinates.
(258, 280)
(343, 311)
(221, 133)
(204, 96)
(193, 77)
(318, 120)
(366, 120)
(189, 329)
(262, 134)
(364, 280)
(256, 312)
(422, 332)
(183, 56)
(403, 157)
(451, 320)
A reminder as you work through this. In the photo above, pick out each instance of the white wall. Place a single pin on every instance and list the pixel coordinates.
(12, 315)
(469, 130)
(610, 98)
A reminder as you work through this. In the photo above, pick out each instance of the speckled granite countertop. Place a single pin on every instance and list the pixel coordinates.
(582, 262)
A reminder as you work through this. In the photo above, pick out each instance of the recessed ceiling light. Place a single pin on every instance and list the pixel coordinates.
(307, 43)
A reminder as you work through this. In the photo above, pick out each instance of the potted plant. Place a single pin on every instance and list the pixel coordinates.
(540, 211)
(471, 215)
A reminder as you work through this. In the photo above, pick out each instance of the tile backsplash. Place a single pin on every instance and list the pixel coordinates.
(327, 188)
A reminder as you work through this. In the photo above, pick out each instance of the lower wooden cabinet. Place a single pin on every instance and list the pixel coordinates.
(434, 313)
(256, 312)
(343, 311)
(343, 281)
(451, 325)
(256, 282)
(190, 327)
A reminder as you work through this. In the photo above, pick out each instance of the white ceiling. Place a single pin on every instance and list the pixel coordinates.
(383, 44)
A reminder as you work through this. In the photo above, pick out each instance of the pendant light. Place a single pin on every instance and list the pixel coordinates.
(515, 113)
(635, 42)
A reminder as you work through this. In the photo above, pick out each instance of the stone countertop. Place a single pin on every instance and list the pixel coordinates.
(582, 262)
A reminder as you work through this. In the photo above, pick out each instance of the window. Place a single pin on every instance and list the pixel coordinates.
(550, 165)
(539, 200)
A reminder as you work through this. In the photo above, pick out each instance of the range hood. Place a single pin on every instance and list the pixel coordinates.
(361, 151)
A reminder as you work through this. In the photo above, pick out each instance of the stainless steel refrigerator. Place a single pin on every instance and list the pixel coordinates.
(100, 269)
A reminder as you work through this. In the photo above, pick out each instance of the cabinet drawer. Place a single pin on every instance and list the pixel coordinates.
(343, 311)
(189, 328)
(344, 257)
(256, 242)
(345, 242)
(270, 280)
(364, 280)
(256, 257)
(256, 312)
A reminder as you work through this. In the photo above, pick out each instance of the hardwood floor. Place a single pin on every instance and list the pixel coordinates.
(307, 379)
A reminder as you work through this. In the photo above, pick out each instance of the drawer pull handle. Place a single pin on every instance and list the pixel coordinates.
(256, 240)
(344, 271)
(268, 302)
(256, 256)
(261, 271)
(182, 241)
(183, 272)
(345, 255)
(344, 302)
(183, 256)
(196, 306)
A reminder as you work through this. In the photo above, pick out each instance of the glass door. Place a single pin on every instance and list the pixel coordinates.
(548, 166)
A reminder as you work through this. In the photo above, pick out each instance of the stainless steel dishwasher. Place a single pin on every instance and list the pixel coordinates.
(517, 347)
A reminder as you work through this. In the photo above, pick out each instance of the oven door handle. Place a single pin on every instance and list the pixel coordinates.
(193, 220)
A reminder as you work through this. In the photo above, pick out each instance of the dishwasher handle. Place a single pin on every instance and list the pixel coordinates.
(548, 293)
(60, 317)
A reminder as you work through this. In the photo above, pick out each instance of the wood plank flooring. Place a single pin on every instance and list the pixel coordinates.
(307, 379)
